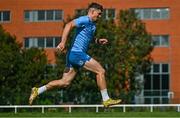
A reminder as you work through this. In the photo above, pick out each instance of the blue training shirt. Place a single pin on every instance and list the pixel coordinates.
(84, 34)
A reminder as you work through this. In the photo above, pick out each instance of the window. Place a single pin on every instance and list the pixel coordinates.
(80, 12)
(41, 42)
(57, 40)
(49, 42)
(160, 40)
(156, 68)
(26, 16)
(43, 15)
(147, 13)
(26, 42)
(164, 13)
(152, 13)
(155, 13)
(31, 42)
(4, 16)
(108, 13)
(58, 15)
(156, 86)
(50, 15)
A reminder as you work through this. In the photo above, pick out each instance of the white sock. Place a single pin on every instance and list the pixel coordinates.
(104, 94)
(42, 89)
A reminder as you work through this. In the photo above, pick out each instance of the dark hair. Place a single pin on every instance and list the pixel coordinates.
(96, 6)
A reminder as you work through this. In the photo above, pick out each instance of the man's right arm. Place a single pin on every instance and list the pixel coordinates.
(65, 34)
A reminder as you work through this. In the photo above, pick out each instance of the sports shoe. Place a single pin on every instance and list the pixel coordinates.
(111, 102)
(34, 94)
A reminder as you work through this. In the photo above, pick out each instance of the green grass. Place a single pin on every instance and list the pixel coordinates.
(92, 114)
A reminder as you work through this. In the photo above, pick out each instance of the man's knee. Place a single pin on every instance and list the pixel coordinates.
(101, 71)
(65, 82)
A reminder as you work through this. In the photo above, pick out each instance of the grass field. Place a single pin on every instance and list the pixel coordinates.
(93, 115)
(159, 112)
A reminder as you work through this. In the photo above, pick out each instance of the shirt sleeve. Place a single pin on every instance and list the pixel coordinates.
(81, 21)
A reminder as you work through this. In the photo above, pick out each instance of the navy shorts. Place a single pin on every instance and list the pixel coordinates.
(76, 59)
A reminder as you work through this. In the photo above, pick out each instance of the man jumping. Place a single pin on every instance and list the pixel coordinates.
(77, 56)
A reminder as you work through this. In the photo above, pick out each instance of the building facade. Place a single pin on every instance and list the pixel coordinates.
(39, 23)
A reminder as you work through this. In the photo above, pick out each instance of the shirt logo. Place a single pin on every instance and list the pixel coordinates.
(81, 62)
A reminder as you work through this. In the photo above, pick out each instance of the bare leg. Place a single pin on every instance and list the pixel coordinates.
(64, 82)
(68, 76)
(95, 67)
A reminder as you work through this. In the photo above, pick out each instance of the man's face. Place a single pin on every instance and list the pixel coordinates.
(96, 14)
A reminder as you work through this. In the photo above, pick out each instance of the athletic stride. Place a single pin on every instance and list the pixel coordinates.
(77, 57)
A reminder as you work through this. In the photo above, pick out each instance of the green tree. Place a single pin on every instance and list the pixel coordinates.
(20, 69)
(9, 52)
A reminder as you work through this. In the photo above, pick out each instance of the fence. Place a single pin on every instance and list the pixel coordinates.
(123, 106)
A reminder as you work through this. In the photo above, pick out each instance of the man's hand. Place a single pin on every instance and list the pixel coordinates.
(61, 46)
(103, 41)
